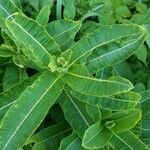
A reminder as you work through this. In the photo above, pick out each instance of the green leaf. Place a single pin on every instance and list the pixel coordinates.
(43, 16)
(147, 27)
(145, 101)
(141, 7)
(50, 137)
(75, 113)
(69, 9)
(71, 142)
(122, 12)
(145, 129)
(116, 56)
(6, 51)
(33, 36)
(127, 141)
(94, 112)
(23, 61)
(59, 9)
(8, 97)
(13, 75)
(17, 3)
(102, 36)
(141, 54)
(96, 136)
(123, 121)
(63, 31)
(124, 70)
(6, 9)
(37, 98)
(39, 4)
(96, 87)
(93, 12)
(123, 101)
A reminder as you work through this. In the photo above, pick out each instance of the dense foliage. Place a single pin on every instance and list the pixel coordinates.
(74, 74)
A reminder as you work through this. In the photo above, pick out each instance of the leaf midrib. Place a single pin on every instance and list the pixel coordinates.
(117, 50)
(53, 136)
(32, 37)
(98, 80)
(94, 136)
(9, 140)
(67, 148)
(5, 10)
(126, 116)
(97, 47)
(67, 30)
(7, 105)
(77, 109)
(122, 140)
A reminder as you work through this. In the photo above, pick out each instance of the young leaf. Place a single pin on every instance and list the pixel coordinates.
(127, 141)
(93, 12)
(59, 9)
(43, 16)
(103, 36)
(96, 136)
(34, 37)
(37, 98)
(69, 10)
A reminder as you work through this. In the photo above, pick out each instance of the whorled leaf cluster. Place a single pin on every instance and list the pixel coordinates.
(67, 78)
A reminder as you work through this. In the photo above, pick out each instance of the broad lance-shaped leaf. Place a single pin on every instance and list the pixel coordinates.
(75, 113)
(97, 87)
(127, 141)
(71, 142)
(96, 136)
(102, 36)
(39, 45)
(145, 129)
(62, 31)
(6, 9)
(50, 137)
(93, 12)
(8, 97)
(123, 121)
(31, 106)
(145, 101)
(79, 80)
(43, 16)
(94, 112)
(124, 101)
(115, 56)
(13, 75)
